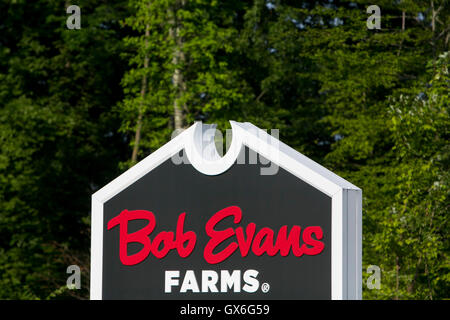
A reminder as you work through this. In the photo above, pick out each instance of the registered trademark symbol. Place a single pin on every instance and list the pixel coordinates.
(265, 287)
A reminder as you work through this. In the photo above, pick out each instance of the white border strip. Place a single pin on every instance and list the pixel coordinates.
(96, 250)
(337, 250)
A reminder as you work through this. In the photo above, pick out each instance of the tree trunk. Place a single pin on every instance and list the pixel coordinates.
(177, 77)
(403, 30)
(137, 137)
(434, 15)
(433, 28)
(397, 269)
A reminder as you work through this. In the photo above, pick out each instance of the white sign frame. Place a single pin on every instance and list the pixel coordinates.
(346, 199)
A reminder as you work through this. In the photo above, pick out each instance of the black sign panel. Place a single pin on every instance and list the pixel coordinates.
(281, 203)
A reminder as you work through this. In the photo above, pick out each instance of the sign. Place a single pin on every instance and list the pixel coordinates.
(186, 223)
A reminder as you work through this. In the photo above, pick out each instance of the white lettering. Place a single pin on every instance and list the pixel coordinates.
(209, 281)
(228, 280)
(189, 282)
(251, 283)
(170, 281)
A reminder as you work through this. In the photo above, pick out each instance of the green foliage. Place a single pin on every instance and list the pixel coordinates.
(418, 219)
(58, 137)
(211, 90)
(372, 105)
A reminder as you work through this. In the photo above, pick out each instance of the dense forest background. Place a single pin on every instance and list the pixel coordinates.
(78, 107)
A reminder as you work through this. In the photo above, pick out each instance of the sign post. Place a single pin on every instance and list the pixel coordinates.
(186, 223)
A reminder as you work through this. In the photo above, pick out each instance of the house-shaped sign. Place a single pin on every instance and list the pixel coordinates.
(187, 223)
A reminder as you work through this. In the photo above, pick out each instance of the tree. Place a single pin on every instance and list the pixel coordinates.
(58, 138)
(77, 107)
(417, 221)
(186, 46)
